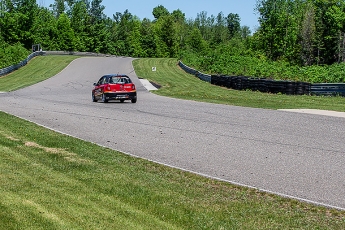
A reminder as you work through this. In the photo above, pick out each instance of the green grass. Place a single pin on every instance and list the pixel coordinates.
(53, 181)
(38, 69)
(176, 83)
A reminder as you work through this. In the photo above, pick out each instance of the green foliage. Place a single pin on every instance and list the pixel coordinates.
(167, 40)
(233, 24)
(195, 42)
(65, 38)
(160, 11)
(148, 39)
(12, 54)
(236, 61)
(13, 27)
(300, 33)
(44, 30)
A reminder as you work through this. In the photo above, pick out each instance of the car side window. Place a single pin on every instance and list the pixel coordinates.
(100, 81)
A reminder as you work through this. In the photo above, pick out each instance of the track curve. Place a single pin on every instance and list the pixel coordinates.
(294, 155)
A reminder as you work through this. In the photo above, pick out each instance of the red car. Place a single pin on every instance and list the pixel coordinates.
(114, 87)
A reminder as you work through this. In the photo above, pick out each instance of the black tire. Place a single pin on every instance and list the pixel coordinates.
(134, 100)
(104, 99)
(94, 98)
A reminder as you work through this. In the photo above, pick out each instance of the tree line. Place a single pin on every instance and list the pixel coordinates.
(302, 32)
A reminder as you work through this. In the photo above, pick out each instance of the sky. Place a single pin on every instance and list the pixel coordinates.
(143, 9)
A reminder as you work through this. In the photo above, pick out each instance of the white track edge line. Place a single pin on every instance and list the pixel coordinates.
(197, 173)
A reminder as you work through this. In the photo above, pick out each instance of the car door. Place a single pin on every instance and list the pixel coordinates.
(99, 87)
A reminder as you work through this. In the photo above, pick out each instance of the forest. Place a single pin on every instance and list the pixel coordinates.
(296, 39)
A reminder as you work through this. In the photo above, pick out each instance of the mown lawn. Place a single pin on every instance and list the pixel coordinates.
(39, 69)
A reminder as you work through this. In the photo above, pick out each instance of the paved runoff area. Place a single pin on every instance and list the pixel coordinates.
(147, 84)
(318, 112)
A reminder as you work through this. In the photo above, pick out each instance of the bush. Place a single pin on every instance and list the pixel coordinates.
(11, 55)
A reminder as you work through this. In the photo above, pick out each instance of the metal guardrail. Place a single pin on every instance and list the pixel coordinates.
(201, 76)
(270, 86)
(12, 68)
(329, 89)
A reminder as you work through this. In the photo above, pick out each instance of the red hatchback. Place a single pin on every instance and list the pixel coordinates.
(114, 87)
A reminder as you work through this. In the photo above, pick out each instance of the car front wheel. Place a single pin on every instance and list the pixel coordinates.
(134, 100)
(104, 99)
(94, 98)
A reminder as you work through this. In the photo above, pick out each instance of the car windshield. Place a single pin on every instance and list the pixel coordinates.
(123, 80)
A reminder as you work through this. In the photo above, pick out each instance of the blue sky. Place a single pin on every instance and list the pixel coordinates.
(143, 9)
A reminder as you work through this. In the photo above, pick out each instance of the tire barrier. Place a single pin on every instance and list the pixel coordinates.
(269, 85)
(261, 84)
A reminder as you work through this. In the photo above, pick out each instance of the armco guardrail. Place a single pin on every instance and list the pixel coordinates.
(77, 53)
(271, 86)
(204, 77)
(12, 68)
(330, 89)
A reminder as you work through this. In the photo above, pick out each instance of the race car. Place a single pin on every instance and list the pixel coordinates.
(114, 87)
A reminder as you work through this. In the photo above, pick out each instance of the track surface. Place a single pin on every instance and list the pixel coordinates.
(292, 154)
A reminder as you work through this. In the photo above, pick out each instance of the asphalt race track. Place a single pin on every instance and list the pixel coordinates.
(292, 154)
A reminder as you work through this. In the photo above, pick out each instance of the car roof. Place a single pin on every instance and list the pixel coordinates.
(116, 75)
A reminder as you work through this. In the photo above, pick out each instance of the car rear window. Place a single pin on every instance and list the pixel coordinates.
(125, 80)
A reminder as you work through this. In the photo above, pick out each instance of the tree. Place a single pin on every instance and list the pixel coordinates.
(245, 32)
(206, 25)
(121, 31)
(80, 23)
(44, 29)
(17, 20)
(195, 41)
(233, 23)
(330, 20)
(167, 42)
(220, 31)
(308, 35)
(59, 7)
(160, 11)
(280, 27)
(133, 40)
(65, 38)
(96, 11)
(179, 16)
(148, 39)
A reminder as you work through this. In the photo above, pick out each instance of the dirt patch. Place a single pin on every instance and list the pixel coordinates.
(72, 157)
(9, 137)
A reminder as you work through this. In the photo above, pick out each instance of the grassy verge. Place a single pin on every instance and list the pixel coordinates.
(38, 69)
(178, 84)
(52, 181)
